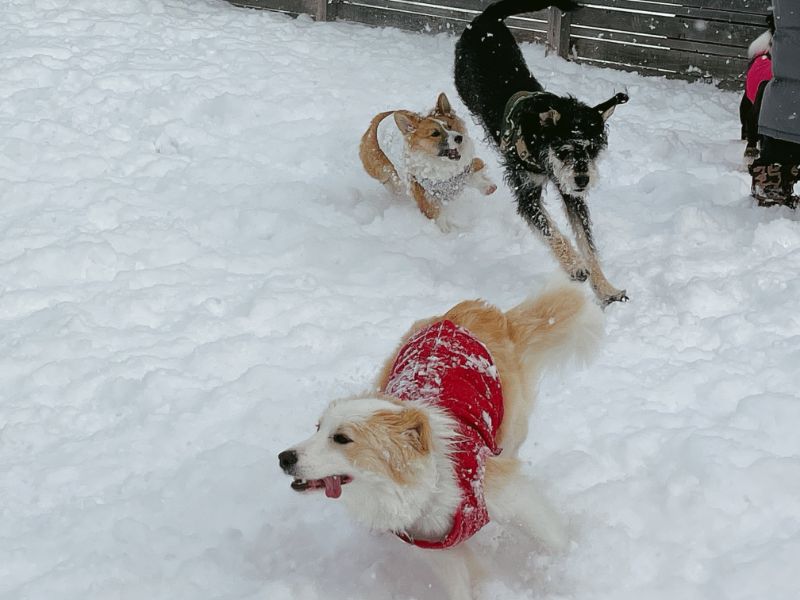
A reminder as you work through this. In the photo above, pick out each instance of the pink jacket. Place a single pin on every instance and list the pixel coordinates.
(760, 70)
(445, 365)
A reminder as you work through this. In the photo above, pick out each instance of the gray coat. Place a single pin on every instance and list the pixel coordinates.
(780, 110)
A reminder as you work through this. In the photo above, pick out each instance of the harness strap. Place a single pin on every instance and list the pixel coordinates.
(511, 139)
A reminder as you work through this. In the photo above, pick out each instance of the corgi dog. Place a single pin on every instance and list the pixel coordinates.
(430, 454)
(438, 159)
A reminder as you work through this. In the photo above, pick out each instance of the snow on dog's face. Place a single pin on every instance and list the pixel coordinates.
(564, 136)
(359, 441)
(575, 137)
(440, 134)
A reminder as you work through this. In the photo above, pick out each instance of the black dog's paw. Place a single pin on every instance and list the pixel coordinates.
(620, 296)
(621, 98)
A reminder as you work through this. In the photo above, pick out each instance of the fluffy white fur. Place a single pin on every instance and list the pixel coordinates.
(425, 167)
(544, 332)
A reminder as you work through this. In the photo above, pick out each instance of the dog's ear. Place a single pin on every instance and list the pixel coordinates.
(416, 429)
(409, 426)
(406, 121)
(608, 112)
(549, 118)
(443, 105)
(606, 109)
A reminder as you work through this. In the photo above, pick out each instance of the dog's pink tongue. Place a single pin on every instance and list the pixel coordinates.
(333, 486)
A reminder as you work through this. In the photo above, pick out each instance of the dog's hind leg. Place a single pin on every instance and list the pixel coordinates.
(513, 499)
(579, 219)
(455, 568)
(529, 207)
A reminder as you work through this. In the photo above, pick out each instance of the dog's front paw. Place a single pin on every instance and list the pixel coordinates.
(618, 296)
(579, 273)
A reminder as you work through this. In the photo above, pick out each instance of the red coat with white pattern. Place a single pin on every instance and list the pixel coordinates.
(446, 366)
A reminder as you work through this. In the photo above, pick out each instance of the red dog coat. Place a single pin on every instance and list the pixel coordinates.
(445, 365)
(760, 70)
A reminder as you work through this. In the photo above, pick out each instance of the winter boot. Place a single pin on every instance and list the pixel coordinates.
(773, 184)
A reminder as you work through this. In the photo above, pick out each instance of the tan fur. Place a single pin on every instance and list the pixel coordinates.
(500, 470)
(427, 207)
(389, 443)
(518, 342)
(376, 163)
(418, 135)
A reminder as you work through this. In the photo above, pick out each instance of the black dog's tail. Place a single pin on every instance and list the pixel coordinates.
(505, 8)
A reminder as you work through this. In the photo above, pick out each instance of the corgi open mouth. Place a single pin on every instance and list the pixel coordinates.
(451, 154)
(332, 484)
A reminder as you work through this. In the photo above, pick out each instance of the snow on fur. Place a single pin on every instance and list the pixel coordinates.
(193, 263)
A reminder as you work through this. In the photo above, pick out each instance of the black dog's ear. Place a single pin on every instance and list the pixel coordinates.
(606, 109)
(549, 118)
(443, 105)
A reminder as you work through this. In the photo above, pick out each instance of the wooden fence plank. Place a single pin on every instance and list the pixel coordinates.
(395, 14)
(661, 8)
(686, 38)
(758, 7)
(294, 7)
(674, 62)
(558, 32)
(412, 7)
(680, 28)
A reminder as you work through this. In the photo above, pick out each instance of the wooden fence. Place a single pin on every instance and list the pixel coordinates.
(691, 39)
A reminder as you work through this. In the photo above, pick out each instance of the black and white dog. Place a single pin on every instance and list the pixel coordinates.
(542, 137)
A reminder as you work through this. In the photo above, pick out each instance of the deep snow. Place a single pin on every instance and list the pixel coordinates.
(192, 262)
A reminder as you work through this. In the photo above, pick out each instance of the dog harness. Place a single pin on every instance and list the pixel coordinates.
(759, 71)
(446, 366)
(444, 190)
(511, 140)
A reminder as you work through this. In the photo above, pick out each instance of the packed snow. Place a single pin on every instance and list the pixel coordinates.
(193, 262)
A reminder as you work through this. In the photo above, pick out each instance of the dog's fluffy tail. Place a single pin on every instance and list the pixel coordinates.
(560, 325)
(376, 163)
(506, 8)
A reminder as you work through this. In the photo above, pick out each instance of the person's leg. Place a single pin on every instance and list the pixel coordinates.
(775, 173)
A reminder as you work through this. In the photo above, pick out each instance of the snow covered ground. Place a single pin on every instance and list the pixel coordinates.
(192, 262)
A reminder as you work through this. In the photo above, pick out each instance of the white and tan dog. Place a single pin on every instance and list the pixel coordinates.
(438, 159)
(431, 454)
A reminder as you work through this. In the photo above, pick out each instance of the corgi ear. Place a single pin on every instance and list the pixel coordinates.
(443, 105)
(549, 118)
(407, 122)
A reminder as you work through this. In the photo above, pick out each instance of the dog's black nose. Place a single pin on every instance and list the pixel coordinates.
(459, 139)
(287, 459)
(581, 181)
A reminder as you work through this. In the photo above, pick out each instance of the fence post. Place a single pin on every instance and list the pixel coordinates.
(326, 10)
(558, 28)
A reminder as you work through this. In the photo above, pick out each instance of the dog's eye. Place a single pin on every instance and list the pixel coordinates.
(341, 438)
(436, 133)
